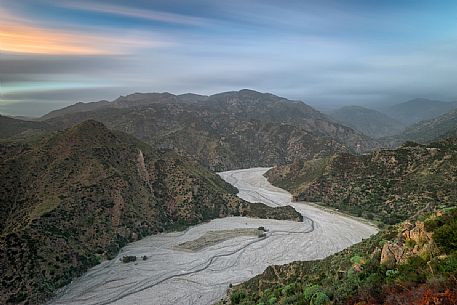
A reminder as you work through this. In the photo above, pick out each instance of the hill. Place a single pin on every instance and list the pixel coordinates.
(18, 129)
(386, 185)
(367, 121)
(427, 131)
(80, 106)
(228, 130)
(411, 263)
(419, 109)
(73, 198)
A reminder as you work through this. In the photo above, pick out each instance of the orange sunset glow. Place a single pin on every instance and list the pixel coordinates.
(26, 39)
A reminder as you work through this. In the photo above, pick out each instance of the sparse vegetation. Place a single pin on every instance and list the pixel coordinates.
(386, 186)
(358, 275)
(74, 198)
(128, 259)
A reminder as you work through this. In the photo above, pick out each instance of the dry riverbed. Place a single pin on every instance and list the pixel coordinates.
(196, 266)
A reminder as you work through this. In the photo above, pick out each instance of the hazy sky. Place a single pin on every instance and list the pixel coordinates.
(55, 53)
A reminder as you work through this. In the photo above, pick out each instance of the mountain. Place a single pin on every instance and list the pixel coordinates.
(80, 106)
(411, 263)
(131, 100)
(228, 130)
(73, 198)
(16, 128)
(418, 109)
(427, 131)
(367, 121)
(386, 185)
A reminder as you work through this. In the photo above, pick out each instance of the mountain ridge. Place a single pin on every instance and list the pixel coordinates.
(229, 130)
(427, 131)
(370, 122)
(387, 185)
(418, 109)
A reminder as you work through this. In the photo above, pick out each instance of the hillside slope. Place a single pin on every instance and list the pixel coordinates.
(386, 185)
(431, 130)
(411, 263)
(18, 129)
(419, 109)
(367, 121)
(76, 197)
(228, 130)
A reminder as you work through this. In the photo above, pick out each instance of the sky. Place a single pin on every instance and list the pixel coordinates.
(324, 52)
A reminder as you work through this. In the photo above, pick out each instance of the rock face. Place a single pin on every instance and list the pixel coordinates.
(413, 240)
(387, 185)
(391, 254)
(73, 198)
(224, 131)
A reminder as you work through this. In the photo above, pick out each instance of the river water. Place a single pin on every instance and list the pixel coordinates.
(172, 276)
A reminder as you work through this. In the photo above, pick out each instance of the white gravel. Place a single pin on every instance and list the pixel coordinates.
(170, 276)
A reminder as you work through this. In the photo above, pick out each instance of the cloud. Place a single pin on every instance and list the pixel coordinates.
(18, 35)
(126, 11)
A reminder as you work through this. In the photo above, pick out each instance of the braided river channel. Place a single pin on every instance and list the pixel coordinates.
(218, 253)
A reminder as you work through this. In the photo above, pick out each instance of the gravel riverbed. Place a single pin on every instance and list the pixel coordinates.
(174, 276)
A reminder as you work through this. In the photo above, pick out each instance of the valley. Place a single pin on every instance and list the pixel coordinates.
(172, 276)
(228, 152)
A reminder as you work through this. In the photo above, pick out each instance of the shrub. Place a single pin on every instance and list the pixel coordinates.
(357, 259)
(288, 289)
(310, 291)
(391, 274)
(237, 296)
(315, 295)
(446, 236)
(320, 298)
(449, 265)
(128, 259)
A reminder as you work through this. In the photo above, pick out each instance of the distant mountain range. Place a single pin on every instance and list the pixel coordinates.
(421, 120)
(418, 109)
(367, 121)
(224, 131)
(247, 128)
(72, 198)
(431, 130)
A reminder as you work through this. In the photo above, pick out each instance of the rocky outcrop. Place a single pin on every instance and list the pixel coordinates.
(391, 254)
(413, 240)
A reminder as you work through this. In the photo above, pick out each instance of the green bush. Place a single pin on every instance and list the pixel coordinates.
(310, 291)
(320, 298)
(315, 295)
(237, 296)
(446, 236)
(449, 265)
(415, 270)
